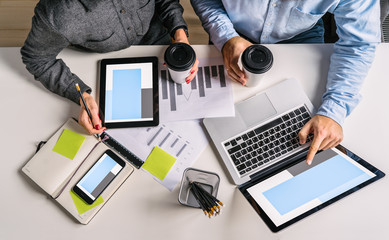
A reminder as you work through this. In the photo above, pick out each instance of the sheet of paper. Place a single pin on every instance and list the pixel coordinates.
(208, 95)
(83, 206)
(184, 140)
(159, 163)
(68, 143)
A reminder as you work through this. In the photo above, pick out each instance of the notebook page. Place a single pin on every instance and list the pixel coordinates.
(59, 157)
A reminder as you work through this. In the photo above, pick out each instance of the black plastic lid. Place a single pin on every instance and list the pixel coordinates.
(180, 56)
(257, 59)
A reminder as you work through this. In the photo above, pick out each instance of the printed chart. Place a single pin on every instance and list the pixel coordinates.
(184, 140)
(208, 95)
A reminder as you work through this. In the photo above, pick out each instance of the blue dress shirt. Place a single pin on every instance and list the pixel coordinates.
(272, 21)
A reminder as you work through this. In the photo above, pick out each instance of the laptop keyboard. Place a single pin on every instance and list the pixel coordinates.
(264, 145)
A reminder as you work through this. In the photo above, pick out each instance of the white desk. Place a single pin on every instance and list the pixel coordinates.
(142, 208)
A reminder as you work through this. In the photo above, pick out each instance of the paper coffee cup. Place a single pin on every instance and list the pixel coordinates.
(179, 58)
(256, 60)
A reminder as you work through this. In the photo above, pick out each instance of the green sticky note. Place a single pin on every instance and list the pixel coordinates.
(68, 143)
(83, 206)
(159, 163)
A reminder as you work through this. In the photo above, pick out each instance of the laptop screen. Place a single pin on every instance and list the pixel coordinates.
(300, 188)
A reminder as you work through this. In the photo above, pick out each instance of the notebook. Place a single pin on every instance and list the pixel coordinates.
(61, 163)
(261, 151)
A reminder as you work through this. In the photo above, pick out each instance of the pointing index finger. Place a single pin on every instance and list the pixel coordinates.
(313, 148)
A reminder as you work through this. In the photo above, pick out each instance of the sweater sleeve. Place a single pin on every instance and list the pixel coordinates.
(39, 54)
(170, 13)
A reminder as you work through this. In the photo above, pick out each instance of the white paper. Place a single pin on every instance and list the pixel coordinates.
(184, 140)
(208, 95)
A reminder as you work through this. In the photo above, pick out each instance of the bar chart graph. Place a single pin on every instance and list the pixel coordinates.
(165, 138)
(202, 97)
(184, 140)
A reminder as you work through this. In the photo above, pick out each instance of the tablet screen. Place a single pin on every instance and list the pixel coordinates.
(128, 92)
(298, 189)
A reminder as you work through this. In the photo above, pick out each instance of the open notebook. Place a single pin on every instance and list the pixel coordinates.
(63, 160)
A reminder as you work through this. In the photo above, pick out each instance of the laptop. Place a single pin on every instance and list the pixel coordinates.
(261, 151)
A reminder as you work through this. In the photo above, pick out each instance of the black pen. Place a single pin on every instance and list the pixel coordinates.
(86, 108)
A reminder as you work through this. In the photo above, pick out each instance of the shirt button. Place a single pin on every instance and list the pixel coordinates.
(122, 11)
(274, 4)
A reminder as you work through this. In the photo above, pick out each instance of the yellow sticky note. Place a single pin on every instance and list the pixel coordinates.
(81, 205)
(68, 143)
(159, 163)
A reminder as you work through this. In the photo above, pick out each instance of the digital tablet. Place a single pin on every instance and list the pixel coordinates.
(129, 92)
(299, 190)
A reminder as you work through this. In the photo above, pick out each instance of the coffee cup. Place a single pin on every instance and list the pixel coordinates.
(256, 60)
(179, 58)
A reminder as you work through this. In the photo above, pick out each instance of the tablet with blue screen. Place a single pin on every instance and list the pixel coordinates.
(129, 92)
(300, 190)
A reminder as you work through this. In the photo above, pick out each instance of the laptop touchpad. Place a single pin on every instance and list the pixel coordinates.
(256, 109)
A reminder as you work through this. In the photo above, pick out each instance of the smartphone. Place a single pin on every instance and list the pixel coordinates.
(99, 176)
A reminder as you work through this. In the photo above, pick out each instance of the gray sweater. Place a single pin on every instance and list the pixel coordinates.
(93, 25)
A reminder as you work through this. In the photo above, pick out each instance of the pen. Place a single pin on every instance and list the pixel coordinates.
(86, 108)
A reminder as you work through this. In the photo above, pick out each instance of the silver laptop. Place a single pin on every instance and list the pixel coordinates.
(263, 135)
(261, 151)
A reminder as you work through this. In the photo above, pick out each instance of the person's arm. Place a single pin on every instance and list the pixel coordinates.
(39, 54)
(216, 22)
(171, 14)
(359, 34)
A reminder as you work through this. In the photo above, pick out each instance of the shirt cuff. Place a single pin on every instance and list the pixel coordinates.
(72, 93)
(222, 35)
(332, 110)
(173, 32)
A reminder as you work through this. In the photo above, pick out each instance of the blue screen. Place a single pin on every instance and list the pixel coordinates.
(324, 181)
(124, 101)
(99, 175)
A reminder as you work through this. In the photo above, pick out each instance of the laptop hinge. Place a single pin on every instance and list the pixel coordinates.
(275, 168)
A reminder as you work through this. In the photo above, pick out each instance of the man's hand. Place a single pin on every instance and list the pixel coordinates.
(180, 36)
(95, 126)
(232, 49)
(326, 134)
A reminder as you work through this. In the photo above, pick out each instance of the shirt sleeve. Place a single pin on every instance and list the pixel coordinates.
(358, 28)
(39, 53)
(170, 12)
(215, 21)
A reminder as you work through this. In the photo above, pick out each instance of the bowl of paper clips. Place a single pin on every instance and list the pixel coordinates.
(199, 190)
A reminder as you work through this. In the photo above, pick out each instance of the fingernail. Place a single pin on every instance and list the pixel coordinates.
(309, 162)
(191, 72)
(97, 127)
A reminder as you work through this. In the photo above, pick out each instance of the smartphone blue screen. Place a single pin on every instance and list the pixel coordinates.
(99, 176)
